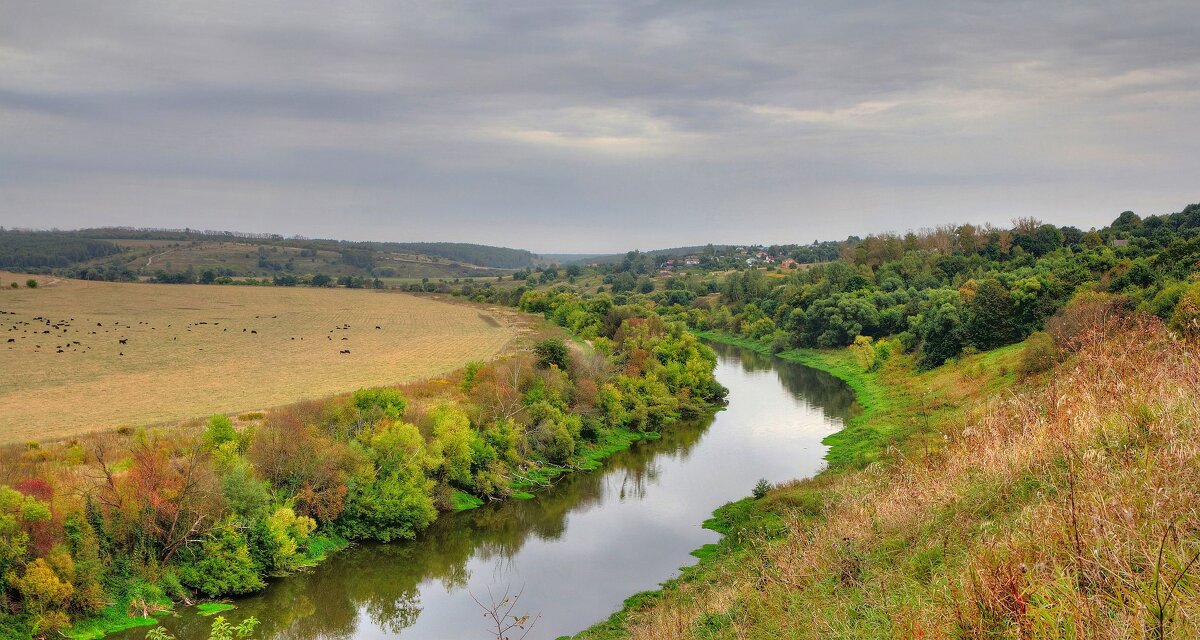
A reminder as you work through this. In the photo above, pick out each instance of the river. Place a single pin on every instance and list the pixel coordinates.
(577, 550)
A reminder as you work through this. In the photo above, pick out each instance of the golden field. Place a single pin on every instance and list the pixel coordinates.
(194, 350)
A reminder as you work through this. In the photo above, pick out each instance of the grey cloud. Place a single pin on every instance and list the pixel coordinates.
(593, 126)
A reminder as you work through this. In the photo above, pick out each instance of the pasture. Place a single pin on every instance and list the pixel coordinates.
(78, 356)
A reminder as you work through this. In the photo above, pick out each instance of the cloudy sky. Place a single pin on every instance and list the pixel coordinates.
(596, 126)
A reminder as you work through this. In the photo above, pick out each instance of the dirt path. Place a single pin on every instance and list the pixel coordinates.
(150, 260)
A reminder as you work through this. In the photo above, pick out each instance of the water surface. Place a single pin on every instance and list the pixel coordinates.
(579, 549)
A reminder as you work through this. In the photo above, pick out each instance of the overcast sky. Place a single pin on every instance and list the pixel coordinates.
(599, 126)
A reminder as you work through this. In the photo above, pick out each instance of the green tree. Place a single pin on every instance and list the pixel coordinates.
(552, 351)
(990, 316)
(380, 403)
(391, 498)
(221, 564)
(453, 436)
(45, 596)
(940, 330)
(245, 495)
(219, 431)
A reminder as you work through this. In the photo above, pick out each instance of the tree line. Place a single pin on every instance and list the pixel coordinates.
(941, 292)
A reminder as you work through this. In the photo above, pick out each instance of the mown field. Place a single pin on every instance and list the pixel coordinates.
(193, 350)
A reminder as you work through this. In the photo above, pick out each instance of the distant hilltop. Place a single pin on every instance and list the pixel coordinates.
(127, 253)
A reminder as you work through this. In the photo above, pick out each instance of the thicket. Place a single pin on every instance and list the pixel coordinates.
(126, 522)
(962, 288)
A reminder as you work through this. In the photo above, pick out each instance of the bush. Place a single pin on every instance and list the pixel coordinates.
(551, 352)
(1085, 311)
(31, 283)
(383, 402)
(761, 488)
(1040, 354)
(221, 565)
(220, 430)
(1186, 318)
(780, 342)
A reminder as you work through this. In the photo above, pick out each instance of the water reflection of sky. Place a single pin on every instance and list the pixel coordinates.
(581, 548)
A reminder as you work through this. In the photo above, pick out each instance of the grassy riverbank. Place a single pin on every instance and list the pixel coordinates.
(901, 407)
(905, 414)
(1053, 506)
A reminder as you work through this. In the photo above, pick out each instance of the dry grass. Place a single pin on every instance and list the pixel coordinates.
(257, 348)
(1072, 511)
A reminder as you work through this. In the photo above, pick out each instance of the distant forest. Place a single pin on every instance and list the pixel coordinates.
(33, 251)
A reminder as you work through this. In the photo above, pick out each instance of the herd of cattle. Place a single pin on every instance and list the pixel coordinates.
(63, 336)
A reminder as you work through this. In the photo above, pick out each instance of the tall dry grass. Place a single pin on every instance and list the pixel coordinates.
(1069, 511)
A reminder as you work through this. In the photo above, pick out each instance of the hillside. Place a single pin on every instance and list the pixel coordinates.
(1058, 505)
(129, 254)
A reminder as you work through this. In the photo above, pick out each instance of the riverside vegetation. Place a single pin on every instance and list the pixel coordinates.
(100, 534)
(972, 501)
(1025, 466)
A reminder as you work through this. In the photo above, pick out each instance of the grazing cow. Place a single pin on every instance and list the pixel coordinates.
(123, 340)
(344, 351)
(253, 331)
(12, 339)
(377, 326)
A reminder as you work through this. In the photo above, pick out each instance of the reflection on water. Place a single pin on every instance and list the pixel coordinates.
(583, 545)
(817, 388)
